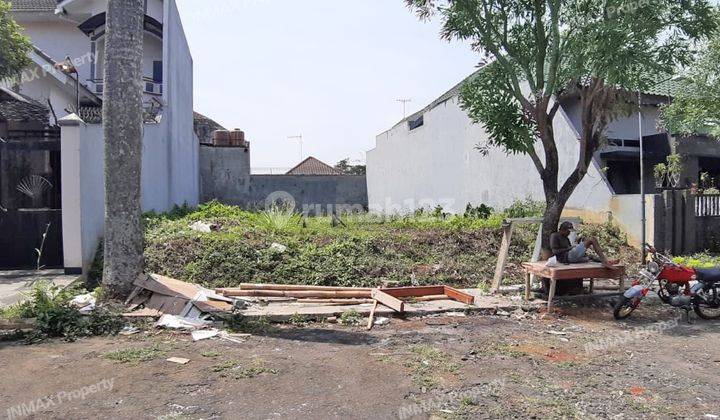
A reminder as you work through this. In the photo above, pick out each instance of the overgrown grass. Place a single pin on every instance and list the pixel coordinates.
(426, 247)
(54, 316)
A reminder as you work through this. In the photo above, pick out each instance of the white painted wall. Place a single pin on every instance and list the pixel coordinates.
(156, 10)
(438, 164)
(83, 180)
(625, 127)
(59, 39)
(184, 150)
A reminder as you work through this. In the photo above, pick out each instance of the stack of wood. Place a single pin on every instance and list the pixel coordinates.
(159, 295)
(393, 297)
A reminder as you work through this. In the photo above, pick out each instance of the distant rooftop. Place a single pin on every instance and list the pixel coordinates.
(313, 166)
(666, 88)
(33, 5)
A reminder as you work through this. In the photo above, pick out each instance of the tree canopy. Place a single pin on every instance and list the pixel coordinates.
(536, 52)
(556, 45)
(349, 169)
(14, 47)
(696, 107)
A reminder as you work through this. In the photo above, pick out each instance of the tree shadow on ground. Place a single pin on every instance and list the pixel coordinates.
(322, 335)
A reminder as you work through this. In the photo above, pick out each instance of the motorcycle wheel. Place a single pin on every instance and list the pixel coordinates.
(623, 308)
(710, 308)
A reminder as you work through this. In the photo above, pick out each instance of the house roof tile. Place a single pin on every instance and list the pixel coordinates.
(33, 5)
(17, 107)
(313, 166)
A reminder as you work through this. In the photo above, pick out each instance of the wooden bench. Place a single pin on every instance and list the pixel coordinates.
(591, 271)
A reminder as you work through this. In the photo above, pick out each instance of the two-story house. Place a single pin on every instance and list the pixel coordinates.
(73, 32)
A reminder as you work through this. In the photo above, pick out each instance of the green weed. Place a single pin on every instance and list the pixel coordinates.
(135, 355)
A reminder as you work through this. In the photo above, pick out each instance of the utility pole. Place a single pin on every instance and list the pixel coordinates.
(404, 104)
(299, 138)
(642, 177)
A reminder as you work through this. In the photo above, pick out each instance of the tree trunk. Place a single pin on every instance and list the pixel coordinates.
(122, 120)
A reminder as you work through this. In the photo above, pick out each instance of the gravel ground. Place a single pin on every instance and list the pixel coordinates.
(582, 364)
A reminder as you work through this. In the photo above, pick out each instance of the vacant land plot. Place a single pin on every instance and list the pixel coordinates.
(363, 250)
(583, 365)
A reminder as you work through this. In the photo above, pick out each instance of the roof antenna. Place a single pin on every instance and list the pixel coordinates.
(404, 103)
(300, 140)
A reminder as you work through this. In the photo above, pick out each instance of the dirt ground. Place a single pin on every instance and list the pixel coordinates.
(583, 364)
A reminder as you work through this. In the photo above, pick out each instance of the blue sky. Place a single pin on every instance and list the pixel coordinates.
(329, 69)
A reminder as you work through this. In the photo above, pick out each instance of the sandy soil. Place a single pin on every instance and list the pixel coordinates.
(583, 365)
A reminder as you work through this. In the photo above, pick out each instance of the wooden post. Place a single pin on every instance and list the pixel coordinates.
(371, 318)
(551, 294)
(502, 257)
(528, 285)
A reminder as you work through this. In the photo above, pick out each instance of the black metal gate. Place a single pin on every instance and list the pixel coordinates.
(30, 200)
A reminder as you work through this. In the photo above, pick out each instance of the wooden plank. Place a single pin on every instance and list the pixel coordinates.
(388, 300)
(429, 298)
(167, 286)
(371, 318)
(463, 297)
(335, 301)
(298, 293)
(502, 257)
(259, 286)
(399, 292)
(574, 271)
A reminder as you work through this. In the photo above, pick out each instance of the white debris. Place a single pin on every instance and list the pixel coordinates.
(178, 322)
(553, 332)
(201, 226)
(381, 320)
(458, 314)
(85, 303)
(129, 330)
(198, 335)
(278, 247)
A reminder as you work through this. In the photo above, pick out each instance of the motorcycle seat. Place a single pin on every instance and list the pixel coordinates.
(708, 275)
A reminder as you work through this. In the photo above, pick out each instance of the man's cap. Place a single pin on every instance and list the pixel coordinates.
(566, 226)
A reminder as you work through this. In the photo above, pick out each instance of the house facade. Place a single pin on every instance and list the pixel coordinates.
(431, 158)
(73, 31)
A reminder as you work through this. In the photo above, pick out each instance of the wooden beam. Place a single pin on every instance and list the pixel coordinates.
(371, 318)
(390, 301)
(428, 298)
(399, 292)
(502, 257)
(265, 286)
(335, 301)
(297, 293)
(463, 297)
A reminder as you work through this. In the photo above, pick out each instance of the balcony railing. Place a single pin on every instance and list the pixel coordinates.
(150, 86)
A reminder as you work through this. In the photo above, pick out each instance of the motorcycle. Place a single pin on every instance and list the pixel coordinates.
(675, 287)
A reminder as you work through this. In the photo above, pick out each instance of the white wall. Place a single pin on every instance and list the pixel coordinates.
(83, 180)
(625, 127)
(155, 10)
(178, 95)
(438, 164)
(60, 39)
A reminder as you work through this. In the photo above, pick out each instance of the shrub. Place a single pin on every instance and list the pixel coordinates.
(525, 208)
(56, 317)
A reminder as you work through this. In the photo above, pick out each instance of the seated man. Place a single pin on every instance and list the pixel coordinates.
(567, 253)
